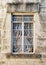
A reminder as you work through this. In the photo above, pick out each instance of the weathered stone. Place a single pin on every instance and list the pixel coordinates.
(39, 22)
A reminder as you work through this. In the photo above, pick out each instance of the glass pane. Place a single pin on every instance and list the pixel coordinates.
(30, 33)
(17, 26)
(17, 37)
(27, 18)
(25, 32)
(28, 44)
(28, 37)
(28, 29)
(17, 18)
(22, 18)
(17, 33)
(17, 44)
(28, 26)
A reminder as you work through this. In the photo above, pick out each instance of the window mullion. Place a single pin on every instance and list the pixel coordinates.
(22, 35)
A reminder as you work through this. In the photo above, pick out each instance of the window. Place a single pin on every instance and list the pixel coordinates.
(22, 34)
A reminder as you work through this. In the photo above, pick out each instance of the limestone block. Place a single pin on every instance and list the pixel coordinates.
(2, 57)
(25, 62)
(2, 63)
(44, 57)
(6, 37)
(41, 50)
(39, 63)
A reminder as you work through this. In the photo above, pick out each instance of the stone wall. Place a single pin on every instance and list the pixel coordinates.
(5, 41)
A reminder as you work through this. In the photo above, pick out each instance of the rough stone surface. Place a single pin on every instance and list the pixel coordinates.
(5, 40)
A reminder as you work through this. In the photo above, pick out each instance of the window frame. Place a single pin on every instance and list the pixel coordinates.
(23, 36)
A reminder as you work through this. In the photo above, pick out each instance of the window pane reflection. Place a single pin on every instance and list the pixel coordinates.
(17, 37)
(17, 45)
(28, 37)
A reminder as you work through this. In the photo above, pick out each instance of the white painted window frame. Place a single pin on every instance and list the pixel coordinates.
(23, 37)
